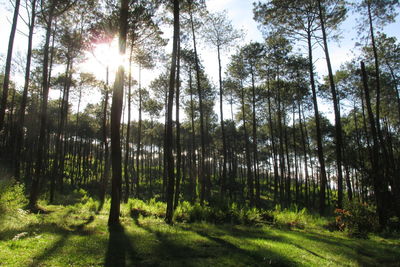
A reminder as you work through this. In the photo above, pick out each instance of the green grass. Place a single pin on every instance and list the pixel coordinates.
(77, 235)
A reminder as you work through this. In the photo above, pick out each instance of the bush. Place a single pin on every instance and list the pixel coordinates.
(151, 208)
(187, 212)
(358, 219)
(292, 217)
(12, 203)
(12, 196)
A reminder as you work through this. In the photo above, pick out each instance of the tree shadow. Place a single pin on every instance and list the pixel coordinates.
(65, 234)
(261, 256)
(120, 252)
(174, 247)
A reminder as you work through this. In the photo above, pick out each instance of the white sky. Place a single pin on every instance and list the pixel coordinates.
(241, 14)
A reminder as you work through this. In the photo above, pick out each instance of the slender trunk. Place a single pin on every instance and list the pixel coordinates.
(281, 141)
(128, 130)
(202, 133)
(60, 131)
(21, 116)
(255, 153)
(250, 192)
(379, 187)
(338, 125)
(224, 149)
(193, 143)
(106, 170)
(6, 81)
(178, 131)
(318, 127)
(43, 117)
(138, 168)
(274, 152)
(116, 110)
(303, 143)
(169, 136)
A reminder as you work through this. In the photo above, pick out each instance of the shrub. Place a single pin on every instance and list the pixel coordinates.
(358, 219)
(151, 208)
(12, 196)
(293, 217)
(12, 203)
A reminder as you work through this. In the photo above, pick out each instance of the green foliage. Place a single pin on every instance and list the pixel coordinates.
(358, 219)
(150, 208)
(187, 212)
(294, 217)
(11, 196)
(12, 201)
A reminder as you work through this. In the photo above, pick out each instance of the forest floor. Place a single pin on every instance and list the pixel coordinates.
(77, 235)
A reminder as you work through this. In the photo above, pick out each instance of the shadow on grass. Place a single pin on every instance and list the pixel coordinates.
(182, 247)
(366, 252)
(261, 256)
(120, 252)
(65, 233)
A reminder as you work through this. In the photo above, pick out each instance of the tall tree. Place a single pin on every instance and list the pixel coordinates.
(337, 10)
(21, 116)
(6, 81)
(116, 110)
(252, 54)
(49, 12)
(298, 19)
(169, 135)
(220, 33)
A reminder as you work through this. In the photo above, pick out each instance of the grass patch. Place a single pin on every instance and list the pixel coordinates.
(77, 235)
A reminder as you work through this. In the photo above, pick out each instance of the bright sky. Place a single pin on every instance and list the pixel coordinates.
(239, 11)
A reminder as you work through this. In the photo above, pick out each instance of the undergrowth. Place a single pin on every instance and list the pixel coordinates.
(232, 214)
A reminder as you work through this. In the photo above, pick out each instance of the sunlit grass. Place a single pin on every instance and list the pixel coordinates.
(77, 235)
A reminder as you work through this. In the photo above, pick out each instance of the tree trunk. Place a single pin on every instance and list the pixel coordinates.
(255, 153)
(338, 125)
(224, 149)
(318, 127)
(21, 116)
(138, 168)
(178, 130)
(250, 185)
(6, 81)
(377, 176)
(116, 110)
(128, 131)
(43, 117)
(169, 136)
(202, 133)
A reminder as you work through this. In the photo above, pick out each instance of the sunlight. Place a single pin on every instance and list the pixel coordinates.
(103, 55)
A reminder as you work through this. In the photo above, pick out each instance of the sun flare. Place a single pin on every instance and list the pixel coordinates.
(103, 56)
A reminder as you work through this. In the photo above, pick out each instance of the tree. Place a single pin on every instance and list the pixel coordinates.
(49, 12)
(116, 110)
(338, 11)
(377, 13)
(169, 135)
(6, 81)
(252, 54)
(237, 70)
(220, 33)
(21, 116)
(298, 18)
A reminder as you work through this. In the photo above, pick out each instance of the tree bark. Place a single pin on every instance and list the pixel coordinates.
(21, 115)
(6, 81)
(321, 158)
(34, 193)
(116, 110)
(169, 136)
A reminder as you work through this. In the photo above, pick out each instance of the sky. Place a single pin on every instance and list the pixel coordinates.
(238, 11)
